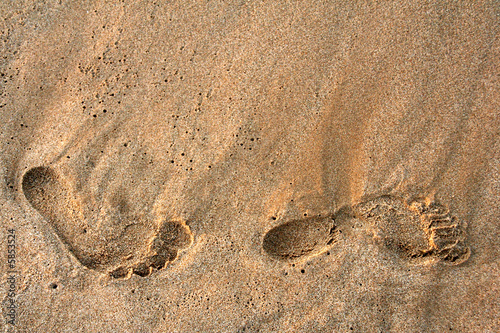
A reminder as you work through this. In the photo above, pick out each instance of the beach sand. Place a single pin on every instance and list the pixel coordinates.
(250, 166)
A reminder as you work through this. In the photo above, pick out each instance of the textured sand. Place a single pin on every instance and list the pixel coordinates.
(251, 166)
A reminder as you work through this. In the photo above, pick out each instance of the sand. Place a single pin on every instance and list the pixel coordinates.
(250, 166)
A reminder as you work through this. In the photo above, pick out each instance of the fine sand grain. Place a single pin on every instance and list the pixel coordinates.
(250, 166)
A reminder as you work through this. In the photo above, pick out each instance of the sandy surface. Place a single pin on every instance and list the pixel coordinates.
(250, 166)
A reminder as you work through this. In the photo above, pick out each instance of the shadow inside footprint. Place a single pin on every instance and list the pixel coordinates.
(300, 238)
(135, 247)
(43, 190)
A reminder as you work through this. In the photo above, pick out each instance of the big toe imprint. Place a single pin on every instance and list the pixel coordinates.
(130, 246)
(418, 230)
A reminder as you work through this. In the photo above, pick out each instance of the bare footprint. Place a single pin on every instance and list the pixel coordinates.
(418, 230)
(130, 246)
(301, 238)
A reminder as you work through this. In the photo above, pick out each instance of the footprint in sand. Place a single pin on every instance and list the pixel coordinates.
(301, 238)
(418, 231)
(132, 247)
